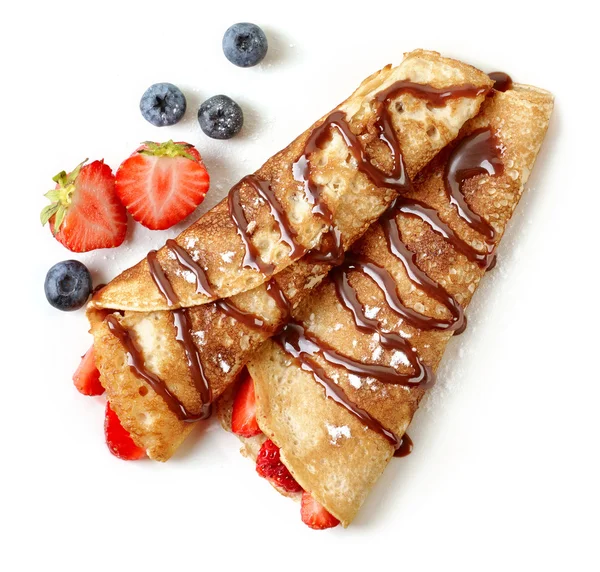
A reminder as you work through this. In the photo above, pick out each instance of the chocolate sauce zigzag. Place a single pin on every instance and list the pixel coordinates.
(436, 242)
(460, 168)
(476, 154)
(334, 171)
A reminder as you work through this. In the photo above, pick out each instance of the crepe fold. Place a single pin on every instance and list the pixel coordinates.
(330, 451)
(225, 335)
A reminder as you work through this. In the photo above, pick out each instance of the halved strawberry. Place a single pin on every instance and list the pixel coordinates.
(162, 183)
(243, 416)
(314, 515)
(269, 466)
(87, 377)
(118, 439)
(86, 213)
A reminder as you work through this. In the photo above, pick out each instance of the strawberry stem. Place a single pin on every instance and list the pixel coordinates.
(167, 149)
(60, 197)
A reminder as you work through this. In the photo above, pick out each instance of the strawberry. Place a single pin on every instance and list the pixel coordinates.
(87, 376)
(85, 213)
(314, 515)
(243, 416)
(119, 441)
(162, 183)
(269, 466)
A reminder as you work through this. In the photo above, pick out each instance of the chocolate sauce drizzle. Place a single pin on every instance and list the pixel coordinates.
(308, 344)
(281, 301)
(183, 335)
(304, 347)
(502, 81)
(183, 257)
(301, 346)
(405, 448)
(302, 169)
(161, 280)
(252, 258)
(418, 209)
(136, 362)
(253, 321)
(250, 320)
(288, 234)
(293, 338)
(435, 97)
(476, 154)
(332, 249)
(420, 279)
(387, 285)
(389, 340)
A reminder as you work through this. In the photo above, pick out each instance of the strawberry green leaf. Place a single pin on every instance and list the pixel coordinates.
(75, 172)
(60, 217)
(60, 178)
(48, 212)
(168, 149)
(54, 195)
(60, 197)
(150, 146)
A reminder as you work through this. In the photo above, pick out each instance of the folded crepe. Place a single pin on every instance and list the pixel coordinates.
(337, 389)
(174, 345)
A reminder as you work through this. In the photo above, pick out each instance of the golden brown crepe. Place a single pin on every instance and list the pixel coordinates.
(224, 343)
(329, 450)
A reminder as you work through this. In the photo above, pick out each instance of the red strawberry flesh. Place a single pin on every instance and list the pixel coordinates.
(87, 377)
(269, 466)
(243, 417)
(95, 218)
(161, 184)
(118, 439)
(314, 514)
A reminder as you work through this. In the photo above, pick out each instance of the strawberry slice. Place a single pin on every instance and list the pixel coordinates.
(118, 439)
(314, 515)
(85, 212)
(162, 183)
(243, 416)
(269, 466)
(87, 377)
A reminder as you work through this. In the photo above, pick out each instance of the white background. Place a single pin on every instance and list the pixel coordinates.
(504, 474)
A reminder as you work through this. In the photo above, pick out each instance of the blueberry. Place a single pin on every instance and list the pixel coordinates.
(163, 104)
(245, 45)
(220, 117)
(68, 285)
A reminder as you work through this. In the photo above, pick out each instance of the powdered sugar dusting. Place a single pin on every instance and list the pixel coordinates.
(189, 276)
(191, 242)
(227, 256)
(337, 432)
(399, 358)
(371, 311)
(200, 337)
